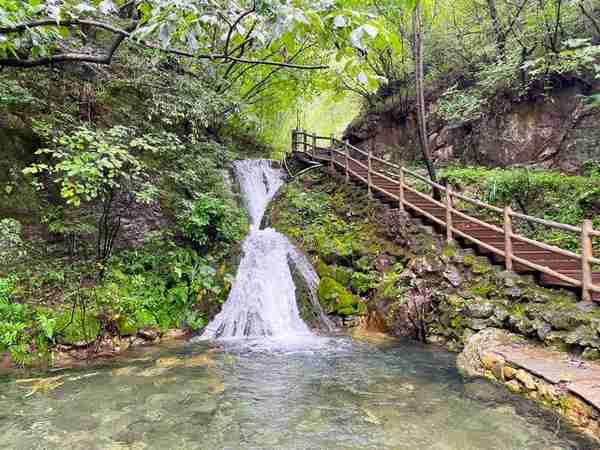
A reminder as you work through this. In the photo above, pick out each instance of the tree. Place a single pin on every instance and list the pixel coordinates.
(96, 165)
(420, 92)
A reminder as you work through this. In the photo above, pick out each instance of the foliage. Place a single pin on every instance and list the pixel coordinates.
(24, 331)
(337, 300)
(544, 194)
(13, 94)
(212, 221)
(460, 106)
(89, 164)
(160, 286)
(11, 244)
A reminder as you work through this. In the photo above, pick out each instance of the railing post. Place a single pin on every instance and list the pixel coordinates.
(347, 162)
(401, 191)
(295, 139)
(332, 153)
(586, 260)
(314, 145)
(508, 231)
(304, 141)
(449, 224)
(369, 173)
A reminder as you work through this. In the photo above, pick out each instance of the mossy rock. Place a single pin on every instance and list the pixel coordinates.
(469, 260)
(449, 251)
(480, 267)
(483, 289)
(456, 301)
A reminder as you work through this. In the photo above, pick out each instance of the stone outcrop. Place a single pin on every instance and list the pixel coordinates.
(553, 131)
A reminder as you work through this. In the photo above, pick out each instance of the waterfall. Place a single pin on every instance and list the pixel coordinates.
(262, 302)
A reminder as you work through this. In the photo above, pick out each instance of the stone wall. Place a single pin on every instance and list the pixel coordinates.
(569, 387)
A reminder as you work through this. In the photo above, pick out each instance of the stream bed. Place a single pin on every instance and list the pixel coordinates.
(346, 395)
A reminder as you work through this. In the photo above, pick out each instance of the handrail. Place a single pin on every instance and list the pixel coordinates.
(307, 143)
(550, 223)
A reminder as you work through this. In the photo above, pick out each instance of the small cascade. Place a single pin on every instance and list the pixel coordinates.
(262, 302)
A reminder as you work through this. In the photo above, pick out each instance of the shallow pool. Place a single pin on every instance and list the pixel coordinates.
(345, 395)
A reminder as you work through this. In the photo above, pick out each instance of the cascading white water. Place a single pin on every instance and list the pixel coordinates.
(262, 301)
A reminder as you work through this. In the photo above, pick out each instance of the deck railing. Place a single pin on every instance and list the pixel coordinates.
(394, 184)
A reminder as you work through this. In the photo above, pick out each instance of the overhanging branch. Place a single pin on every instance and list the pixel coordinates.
(122, 34)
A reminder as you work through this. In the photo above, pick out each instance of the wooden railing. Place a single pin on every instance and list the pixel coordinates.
(393, 182)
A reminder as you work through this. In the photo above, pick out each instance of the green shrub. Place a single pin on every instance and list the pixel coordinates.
(338, 300)
(213, 221)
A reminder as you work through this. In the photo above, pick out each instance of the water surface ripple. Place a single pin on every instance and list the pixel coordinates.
(346, 395)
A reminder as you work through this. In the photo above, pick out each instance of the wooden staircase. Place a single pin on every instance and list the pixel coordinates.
(553, 266)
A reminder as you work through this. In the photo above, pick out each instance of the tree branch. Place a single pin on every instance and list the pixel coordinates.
(122, 34)
(62, 23)
(235, 24)
(587, 14)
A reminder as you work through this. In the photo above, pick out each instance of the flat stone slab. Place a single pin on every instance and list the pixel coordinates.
(577, 376)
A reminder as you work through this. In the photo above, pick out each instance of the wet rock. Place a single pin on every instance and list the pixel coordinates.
(513, 386)
(526, 379)
(469, 361)
(453, 276)
(149, 333)
(479, 309)
(494, 363)
(478, 324)
(175, 334)
(548, 392)
(560, 317)
(542, 328)
(577, 411)
(555, 337)
(583, 335)
(508, 372)
(521, 323)
(513, 292)
(508, 279)
(591, 354)
(467, 334)
(485, 392)
(500, 314)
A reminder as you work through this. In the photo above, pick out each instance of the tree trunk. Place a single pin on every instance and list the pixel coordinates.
(499, 34)
(420, 90)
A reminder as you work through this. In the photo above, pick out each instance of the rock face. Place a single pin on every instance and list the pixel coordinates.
(552, 132)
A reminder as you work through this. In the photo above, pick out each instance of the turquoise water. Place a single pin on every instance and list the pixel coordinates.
(346, 395)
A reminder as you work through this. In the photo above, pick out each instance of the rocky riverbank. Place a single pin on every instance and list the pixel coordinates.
(387, 272)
